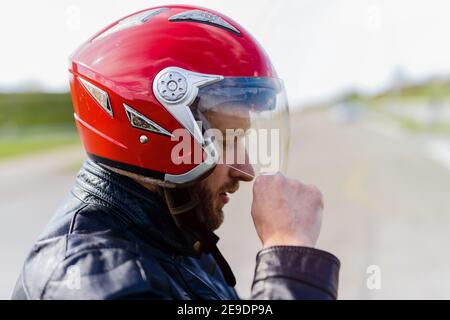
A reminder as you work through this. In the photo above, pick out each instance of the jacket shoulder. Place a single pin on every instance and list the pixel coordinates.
(96, 273)
(89, 257)
(98, 267)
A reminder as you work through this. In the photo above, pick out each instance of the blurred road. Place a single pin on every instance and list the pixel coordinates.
(30, 190)
(386, 204)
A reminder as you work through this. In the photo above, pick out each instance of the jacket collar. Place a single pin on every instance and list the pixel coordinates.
(141, 208)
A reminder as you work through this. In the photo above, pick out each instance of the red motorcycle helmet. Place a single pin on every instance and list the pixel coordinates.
(140, 79)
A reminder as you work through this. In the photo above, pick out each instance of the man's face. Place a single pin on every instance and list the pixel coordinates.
(214, 193)
(215, 190)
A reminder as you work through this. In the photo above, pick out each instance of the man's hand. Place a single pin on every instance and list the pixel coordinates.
(286, 211)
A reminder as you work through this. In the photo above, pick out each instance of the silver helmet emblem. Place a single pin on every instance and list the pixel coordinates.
(172, 86)
(176, 88)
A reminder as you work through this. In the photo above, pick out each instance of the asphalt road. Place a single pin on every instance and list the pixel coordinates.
(386, 204)
(30, 190)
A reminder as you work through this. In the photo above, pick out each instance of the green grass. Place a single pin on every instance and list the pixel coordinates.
(35, 109)
(432, 90)
(418, 127)
(35, 122)
(435, 92)
(29, 145)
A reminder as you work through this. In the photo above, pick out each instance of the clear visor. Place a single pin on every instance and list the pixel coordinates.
(248, 121)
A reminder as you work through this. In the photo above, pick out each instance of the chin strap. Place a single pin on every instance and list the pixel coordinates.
(184, 206)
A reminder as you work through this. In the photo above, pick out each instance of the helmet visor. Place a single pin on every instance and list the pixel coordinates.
(248, 121)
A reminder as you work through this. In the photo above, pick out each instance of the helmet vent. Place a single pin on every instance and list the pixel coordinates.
(140, 121)
(204, 17)
(100, 96)
(131, 21)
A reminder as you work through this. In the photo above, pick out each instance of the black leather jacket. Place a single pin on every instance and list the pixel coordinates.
(113, 239)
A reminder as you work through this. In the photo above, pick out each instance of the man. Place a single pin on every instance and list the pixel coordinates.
(165, 101)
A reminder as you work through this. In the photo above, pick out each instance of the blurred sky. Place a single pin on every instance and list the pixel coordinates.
(320, 48)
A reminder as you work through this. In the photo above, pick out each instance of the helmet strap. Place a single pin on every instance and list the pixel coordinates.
(184, 207)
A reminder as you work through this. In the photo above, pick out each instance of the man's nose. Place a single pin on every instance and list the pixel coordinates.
(242, 172)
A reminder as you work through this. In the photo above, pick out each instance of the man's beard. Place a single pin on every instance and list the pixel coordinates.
(211, 211)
